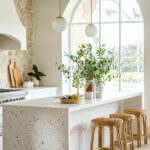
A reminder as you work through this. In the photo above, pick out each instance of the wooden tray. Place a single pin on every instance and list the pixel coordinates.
(69, 101)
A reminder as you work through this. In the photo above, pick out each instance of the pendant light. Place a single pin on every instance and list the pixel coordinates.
(59, 24)
(91, 29)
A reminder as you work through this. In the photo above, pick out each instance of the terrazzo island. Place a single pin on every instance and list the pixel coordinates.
(45, 124)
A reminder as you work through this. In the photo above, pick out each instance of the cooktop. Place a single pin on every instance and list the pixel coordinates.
(8, 90)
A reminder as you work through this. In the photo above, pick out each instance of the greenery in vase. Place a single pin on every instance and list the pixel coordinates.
(36, 73)
(106, 66)
(88, 64)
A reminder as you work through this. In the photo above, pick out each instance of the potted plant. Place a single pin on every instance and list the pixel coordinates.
(81, 68)
(88, 64)
(36, 74)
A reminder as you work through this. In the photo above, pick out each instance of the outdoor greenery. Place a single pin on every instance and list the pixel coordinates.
(36, 73)
(89, 63)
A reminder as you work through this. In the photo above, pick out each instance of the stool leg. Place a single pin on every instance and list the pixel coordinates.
(119, 137)
(111, 138)
(100, 133)
(145, 128)
(138, 131)
(130, 135)
(125, 135)
(92, 138)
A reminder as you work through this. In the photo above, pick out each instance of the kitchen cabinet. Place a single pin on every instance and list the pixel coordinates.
(40, 92)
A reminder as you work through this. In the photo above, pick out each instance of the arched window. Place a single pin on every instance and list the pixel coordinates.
(120, 27)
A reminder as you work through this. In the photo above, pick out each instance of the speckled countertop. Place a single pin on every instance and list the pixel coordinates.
(55, 103)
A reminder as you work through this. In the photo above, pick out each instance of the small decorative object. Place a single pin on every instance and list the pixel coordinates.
(99, 90)
(28, 84)
(36, 74)
(69, 99)
(59, 24)
(90, 90)
(91, 29)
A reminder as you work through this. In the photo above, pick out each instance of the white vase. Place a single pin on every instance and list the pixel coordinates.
(99, 90)
(90, 90)
(36, 82)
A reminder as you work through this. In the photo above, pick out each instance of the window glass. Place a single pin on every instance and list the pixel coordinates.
(78, 36)
(120, 27)
(83, 12)
(132, 56)
(109, 10)
(110, 37)
(130, 10)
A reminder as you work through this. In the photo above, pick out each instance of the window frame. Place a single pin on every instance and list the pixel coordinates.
(100, 23)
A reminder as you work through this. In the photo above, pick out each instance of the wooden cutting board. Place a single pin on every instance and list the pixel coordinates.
(17, 76)
(11, 66)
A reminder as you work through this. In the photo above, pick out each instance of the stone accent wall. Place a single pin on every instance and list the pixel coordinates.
(23, 58)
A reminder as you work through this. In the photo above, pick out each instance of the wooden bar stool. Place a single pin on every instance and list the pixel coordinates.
(141, 121)
(100, 123)
(127, 136)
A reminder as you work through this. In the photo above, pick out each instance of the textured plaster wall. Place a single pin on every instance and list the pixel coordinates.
(23, 58)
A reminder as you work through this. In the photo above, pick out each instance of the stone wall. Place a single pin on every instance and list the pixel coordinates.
(23, 58)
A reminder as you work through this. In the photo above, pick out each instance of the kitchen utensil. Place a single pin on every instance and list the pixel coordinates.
(17, 76)
(11, 66)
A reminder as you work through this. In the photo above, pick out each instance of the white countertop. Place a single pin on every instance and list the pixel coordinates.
(39, 89)
(84, 104)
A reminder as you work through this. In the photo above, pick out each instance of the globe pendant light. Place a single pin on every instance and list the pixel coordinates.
(59, 24)
(91, 29)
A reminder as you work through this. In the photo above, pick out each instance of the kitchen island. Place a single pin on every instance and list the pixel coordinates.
(45, 124)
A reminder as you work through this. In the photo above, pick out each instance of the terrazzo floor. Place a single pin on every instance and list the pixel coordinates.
(144, 147)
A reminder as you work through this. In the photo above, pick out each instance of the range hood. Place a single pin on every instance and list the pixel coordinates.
(12, 31)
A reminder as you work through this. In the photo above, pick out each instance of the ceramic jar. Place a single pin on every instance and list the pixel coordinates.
(90, 90)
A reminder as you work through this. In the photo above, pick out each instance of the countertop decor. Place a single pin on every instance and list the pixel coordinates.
(88, 63)
(36, 74)
(69, 99)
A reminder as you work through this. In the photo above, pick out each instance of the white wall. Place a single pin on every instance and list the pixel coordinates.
(47, 43)
(145, 8)
(10, 23)
(47, 49)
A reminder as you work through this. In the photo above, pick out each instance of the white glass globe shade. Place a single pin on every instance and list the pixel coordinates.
(91, 30)
(59, 24)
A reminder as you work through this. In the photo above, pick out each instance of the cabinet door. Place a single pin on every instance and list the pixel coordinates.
(41, 94)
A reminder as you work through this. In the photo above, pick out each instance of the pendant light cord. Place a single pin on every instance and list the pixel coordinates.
(91, 11)
(60, 8)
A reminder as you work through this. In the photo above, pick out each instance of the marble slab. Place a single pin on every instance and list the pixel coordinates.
(84, 104)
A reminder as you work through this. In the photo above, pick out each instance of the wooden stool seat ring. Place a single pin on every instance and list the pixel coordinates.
(127, 136)
(100, 123)
(141, 118)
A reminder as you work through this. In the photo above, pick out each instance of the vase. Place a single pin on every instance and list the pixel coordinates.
(36, 82)
(99, 90)
(90, 90)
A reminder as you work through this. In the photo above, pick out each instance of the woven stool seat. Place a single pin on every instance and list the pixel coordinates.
(135, 111)
(107, 121)
(123, 116)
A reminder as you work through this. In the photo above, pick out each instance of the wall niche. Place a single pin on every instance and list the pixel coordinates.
(12, 29)
(21, 53)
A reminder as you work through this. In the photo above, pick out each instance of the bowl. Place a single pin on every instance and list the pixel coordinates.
(69, 101)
